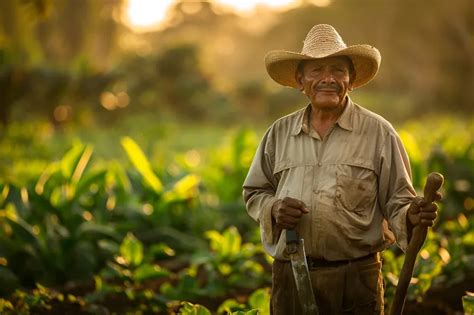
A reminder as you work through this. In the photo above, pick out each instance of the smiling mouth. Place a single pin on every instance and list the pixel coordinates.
(326, 91)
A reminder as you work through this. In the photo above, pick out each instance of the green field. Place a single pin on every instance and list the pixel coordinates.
(148, 217)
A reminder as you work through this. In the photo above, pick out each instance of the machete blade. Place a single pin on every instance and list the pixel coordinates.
(300, 269)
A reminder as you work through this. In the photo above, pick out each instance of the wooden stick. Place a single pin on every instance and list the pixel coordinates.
(433, 183)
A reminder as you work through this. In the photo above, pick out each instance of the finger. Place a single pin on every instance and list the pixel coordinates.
(290, 211)
(415, 205)
(432, 207)
(428, 215)
(438, 196)
(288, 222)
(421, 202)
(427, 222)
(283, 217)
(295, 203)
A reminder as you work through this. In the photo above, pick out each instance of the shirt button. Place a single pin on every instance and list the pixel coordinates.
(320, 164)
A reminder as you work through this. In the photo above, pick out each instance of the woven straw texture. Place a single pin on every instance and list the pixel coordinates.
(323, 41)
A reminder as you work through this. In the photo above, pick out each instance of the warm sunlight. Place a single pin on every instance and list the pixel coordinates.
(146, 15)
(248, 5)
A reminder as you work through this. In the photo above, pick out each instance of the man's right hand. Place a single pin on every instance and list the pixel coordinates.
(287, 212)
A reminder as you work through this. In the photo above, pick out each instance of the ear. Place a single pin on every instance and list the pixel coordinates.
(350, 87)
(299, 81)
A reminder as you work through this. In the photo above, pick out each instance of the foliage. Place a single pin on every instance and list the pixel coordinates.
(126, 275)
(40, 299)
(159, 228)
(228, 267)
(47, 225)
(258, 303)
(468, 303)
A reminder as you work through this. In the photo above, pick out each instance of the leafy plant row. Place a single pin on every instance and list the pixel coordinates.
(92, 235)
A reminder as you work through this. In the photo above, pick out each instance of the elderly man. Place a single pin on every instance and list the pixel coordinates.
(337, 174)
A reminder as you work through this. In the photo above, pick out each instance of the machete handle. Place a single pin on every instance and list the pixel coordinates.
(291, 237)
(434, 182)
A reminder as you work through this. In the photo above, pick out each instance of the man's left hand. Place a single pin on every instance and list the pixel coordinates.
(422, 213)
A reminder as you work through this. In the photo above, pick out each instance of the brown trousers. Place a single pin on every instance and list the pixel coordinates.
(352, 288)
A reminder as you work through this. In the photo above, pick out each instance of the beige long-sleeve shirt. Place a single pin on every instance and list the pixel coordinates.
(351, 180)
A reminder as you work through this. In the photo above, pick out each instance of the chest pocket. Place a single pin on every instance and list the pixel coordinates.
(356, 188)
(290, 176)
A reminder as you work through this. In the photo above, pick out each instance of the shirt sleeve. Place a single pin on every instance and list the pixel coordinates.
(260, 187)
(396, 191)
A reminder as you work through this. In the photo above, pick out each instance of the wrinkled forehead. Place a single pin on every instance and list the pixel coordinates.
(330, 61)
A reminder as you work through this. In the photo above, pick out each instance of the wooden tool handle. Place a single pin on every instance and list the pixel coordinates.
(433, 183)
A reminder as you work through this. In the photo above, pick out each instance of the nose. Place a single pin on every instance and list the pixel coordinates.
(328, 77)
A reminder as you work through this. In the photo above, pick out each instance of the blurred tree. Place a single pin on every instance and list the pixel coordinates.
(185, 86)
(427, 53)
(250, 97)
(46, 44)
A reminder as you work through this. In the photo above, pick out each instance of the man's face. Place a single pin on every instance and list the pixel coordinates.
(325, 81)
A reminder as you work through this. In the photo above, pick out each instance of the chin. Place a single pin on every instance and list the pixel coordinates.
(326, 104)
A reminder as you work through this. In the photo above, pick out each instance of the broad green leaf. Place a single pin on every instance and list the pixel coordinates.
(4, 190)
(232, 242)
(227, 244)
(118, 176)
(193, 309)
(215, 239)
(11, 214)
(468, 303)
(6, 306)
(229, 306)
(131, 250)
(75, 161)
(59, 196)
(147, 271)
(253, 267)
(185, 188)
(141, 164)
(224, 269)
(260, 299)
(45, 176)
(96, 230)
(108, 246)
(89, 179)
(249, 249)
(159, 250)
(468, 238)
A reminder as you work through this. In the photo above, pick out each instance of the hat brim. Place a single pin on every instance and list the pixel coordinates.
(282, 65)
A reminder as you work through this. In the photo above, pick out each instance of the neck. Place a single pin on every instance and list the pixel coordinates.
(323, 119)
(322, 115)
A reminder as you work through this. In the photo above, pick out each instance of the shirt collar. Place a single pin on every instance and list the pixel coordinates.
(344, 121)
(302, 121)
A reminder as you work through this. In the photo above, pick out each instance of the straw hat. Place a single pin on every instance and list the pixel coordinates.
(323, 41)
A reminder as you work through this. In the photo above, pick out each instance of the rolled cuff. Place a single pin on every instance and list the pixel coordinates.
(399, 228)
(269, 231)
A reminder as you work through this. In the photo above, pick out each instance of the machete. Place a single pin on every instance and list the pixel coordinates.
(295, 248)
(433, 183)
